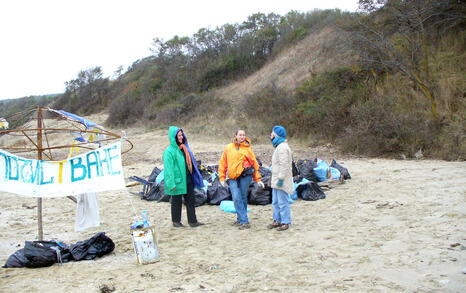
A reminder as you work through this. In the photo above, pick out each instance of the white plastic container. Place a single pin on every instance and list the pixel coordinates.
(145, 245)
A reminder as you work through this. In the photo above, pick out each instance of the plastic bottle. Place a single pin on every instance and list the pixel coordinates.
(145, 219)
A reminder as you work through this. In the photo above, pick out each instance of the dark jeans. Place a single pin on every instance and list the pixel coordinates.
(177, 202)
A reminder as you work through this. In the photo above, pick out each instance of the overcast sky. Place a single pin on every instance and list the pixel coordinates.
(44, 43)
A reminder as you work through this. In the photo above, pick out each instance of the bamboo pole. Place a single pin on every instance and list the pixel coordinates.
(39, 157)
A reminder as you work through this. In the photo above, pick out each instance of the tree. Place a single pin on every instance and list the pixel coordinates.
(392, 37)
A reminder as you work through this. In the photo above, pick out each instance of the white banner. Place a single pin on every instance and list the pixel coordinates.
(95, 171)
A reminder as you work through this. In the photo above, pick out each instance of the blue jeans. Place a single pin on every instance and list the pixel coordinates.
(239, 191)
(281, 206)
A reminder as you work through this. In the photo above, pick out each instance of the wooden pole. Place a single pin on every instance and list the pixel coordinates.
(39, 157)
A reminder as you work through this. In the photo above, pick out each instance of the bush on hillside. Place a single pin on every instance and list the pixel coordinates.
(323, 102)
(379, 129)
(269, 106)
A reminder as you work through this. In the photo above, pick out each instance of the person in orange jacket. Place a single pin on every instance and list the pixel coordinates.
(239, 163)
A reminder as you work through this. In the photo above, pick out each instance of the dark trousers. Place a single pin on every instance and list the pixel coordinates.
(177, 202)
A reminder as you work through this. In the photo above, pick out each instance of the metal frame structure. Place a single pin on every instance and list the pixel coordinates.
(41, 131)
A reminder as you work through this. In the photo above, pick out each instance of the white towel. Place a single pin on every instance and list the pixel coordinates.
(87, 211)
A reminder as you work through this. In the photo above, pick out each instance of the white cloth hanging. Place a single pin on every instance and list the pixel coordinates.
(87, 211)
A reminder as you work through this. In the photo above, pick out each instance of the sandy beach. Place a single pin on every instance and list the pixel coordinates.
(396, 226)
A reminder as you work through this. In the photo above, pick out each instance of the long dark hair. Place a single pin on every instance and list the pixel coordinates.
(176, 137)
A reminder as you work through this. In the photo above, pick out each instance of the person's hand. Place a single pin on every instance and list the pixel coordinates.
(223, 183)
(173, 189)
(280, 183)
(261, 184)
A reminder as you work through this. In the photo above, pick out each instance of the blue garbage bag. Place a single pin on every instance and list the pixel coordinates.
(321, 170)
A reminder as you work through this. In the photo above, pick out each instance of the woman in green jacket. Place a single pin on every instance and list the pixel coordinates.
(181, 176)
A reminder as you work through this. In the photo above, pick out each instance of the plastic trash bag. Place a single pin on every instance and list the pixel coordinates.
(258, 195)
(157, 193)
(216, 192)
(310, 191)
(96, 246)
(335, 174)
(200, 196)
(207, 171)
(294, 168)
(343, 170)
(37, 254)
(266, 176)
(16, 260)
(294, 196)
(321, 171)
(306, 170)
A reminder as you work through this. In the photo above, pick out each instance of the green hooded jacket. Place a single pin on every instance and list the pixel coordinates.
(174, 165)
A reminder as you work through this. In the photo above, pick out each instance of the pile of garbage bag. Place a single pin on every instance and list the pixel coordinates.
(36, 254)
(307, 173)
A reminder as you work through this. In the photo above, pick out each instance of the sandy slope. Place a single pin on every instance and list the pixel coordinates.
(389, 229)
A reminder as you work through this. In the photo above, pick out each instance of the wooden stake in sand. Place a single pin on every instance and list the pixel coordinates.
(39, 157)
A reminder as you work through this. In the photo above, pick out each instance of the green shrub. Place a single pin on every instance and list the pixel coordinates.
(268, 107)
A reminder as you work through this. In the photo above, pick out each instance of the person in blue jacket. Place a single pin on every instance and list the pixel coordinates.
(181, 177)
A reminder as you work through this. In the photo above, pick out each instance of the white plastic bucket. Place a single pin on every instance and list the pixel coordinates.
(145, 245)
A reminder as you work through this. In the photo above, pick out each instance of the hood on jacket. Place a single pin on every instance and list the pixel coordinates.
(172, 132)
(197, 178)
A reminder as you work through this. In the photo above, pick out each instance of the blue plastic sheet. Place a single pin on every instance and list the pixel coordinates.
(229, 206)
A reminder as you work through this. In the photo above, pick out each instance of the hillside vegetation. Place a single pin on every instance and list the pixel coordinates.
(388, 80)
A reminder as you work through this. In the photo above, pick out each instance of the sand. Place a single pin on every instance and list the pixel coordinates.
(391, 228)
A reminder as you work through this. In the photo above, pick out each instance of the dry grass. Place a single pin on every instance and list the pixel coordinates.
(315, 54)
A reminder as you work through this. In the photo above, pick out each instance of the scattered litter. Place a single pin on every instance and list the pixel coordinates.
(368, 201)
(106, 289)
(24, 205)
(444, 281)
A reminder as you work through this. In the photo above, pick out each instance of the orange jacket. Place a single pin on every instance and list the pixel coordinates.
(235, 158)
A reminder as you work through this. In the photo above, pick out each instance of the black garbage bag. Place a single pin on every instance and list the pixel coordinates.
(216, 193)
(157, 193)
(37, 254)
(310, 191)
(16, 260)
(343, 171)
(294, 168)
(266, 175)
(96, 246)
(200, 196)
(306, 169)
(258, 195)
(207, 171)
